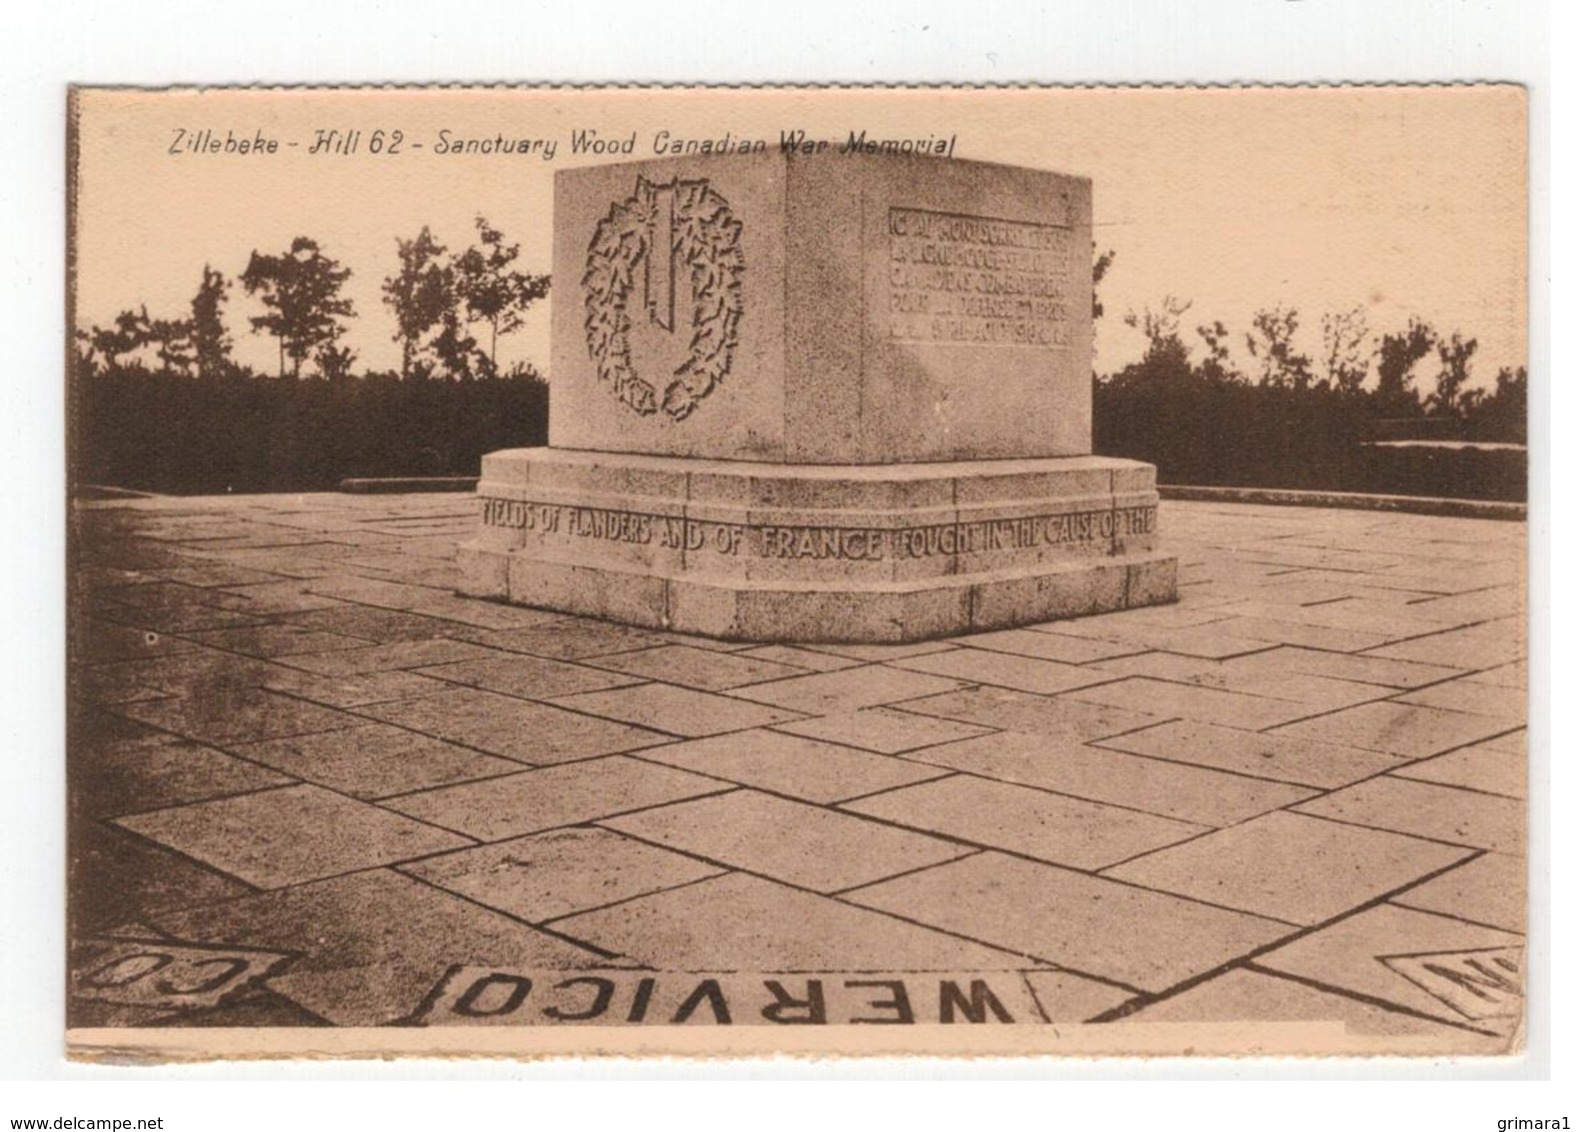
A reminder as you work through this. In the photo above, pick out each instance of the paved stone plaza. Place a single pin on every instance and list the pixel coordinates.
(1298, 794)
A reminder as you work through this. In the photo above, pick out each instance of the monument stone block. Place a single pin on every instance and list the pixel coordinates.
(819, 397)
(822, 310)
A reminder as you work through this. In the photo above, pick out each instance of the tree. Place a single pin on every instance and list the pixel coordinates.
(82, 345)
(1500, 415)
(1216, 366)
(1166, 357)
(1453, 355)
(1161, 326)
(335, 362)
(209, 340)
(492, 291)
(1397, 355)
(1345, 362)
(457, 350)
(172, 342)
(1271, 343)
(1101, 262)
(420, 294)
(129, 332)
(301, 291)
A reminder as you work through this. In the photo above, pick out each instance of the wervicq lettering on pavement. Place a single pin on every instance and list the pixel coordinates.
(485, 996)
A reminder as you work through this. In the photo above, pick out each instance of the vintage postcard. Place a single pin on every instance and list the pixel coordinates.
(747, 571)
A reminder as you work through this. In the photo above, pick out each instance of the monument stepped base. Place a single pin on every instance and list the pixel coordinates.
(783, 552)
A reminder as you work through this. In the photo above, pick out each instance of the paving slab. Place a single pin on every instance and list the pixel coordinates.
(1093, 926)
(1489, 889)
(383, 626)
(351, 691)
(571, 639)
(677, 711)
(804, 845)
(368, 591)
(791, 764)
(153, 596)
(1034, 823)
(884, 730)
(706, 670)
(124, 778)
(1306, 635)
(216, 574)
(530, 677)
(1479, 605)
(1368, 669)
(200, 670)
(554, 796)
(1211, 640)
(807, 659)
(277, 640)
(1248, 675)
(114, 876)
(1512, 675)
(546, 876)
(1428, 809)
(739, 922)
(274, 838)
(221, 715)
(272, 598)
(1474, 696)
(1398, 729)
(1046, 645)
(103, 641)
(1477, 646)
(1061, 718)
(388, 657)
(1067, 997)
(879, 653)
(1482, 766)
(1271, 755)
(108, 688)
(1291, 868)
(1168, 789)
(518, 729)
(828, 693)
(1203, 705)
(1005, 670)
(375, 760)
(1514, 742)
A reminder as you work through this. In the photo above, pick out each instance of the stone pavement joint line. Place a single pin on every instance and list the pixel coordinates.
(1298, 794)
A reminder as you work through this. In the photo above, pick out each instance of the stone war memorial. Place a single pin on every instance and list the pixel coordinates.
(820, 397)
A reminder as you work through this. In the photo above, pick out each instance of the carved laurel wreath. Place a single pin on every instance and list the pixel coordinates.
(706, 243)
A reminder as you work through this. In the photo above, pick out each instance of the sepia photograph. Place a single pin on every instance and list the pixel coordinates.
(786, 570)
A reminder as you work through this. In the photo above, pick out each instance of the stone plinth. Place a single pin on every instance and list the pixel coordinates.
(822, 398)
(750, 551)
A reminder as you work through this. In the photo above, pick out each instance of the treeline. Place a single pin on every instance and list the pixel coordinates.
(1292, 420)
(160, 402)
(440, 303)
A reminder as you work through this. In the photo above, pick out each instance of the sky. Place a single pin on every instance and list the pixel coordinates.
(1405, 201)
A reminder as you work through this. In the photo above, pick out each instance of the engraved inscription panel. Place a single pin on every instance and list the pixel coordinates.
(976, 280)
(872, 544)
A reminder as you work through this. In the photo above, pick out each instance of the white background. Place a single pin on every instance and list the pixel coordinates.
(316, 41)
